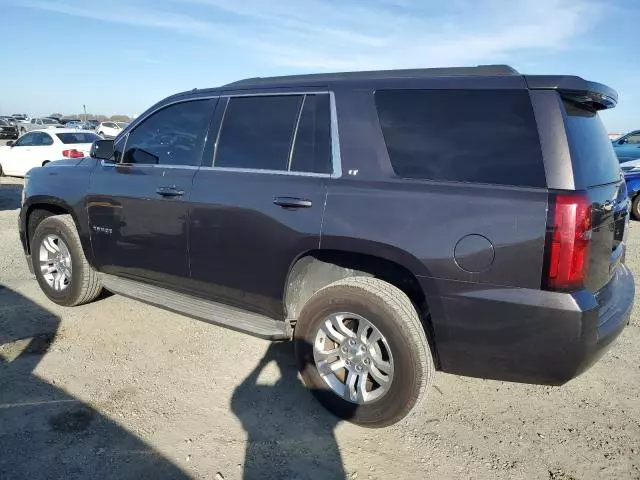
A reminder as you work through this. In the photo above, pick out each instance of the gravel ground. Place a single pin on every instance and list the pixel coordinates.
(119, 389)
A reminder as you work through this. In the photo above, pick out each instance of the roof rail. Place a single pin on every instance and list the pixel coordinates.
(480, 70)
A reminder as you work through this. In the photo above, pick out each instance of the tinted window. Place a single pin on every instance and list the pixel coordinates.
(257, 132)
(3, 123)
(42, 139)
(312, 149)
(633, 139)
(49, 121)
(172, 136)
(480, 136)
(27, 140)
(594, 160)
(78, 137)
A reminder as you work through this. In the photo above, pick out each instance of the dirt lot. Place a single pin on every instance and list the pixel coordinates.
(118, 389)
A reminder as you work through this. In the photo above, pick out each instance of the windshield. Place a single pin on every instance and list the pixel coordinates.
(49, 121)
(78, 137)
(3, 123)
(594, 160)
(121, 124)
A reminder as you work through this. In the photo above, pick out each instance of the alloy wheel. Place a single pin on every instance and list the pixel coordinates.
(353, 357)
(55, 262)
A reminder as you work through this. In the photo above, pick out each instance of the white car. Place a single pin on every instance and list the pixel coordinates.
(39, 147)
(630, 165)
(110, 129)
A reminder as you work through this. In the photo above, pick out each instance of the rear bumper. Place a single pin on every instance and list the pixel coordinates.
(524, 335)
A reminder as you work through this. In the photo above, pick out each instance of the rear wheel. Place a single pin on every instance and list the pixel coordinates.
(362, 351)
(635, 207)
(59, 263)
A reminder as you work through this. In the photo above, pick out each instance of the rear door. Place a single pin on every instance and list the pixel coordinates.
(138, 208)
(260, 202)
(597, 170)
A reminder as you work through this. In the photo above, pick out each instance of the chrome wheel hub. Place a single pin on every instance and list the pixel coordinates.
(353, 357)
(55, 262)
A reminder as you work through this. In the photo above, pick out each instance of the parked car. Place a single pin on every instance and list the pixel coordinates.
(344, 212)
(110, 129)
(7, 130)
(93, 123)
(37, 148)
(19, 116)
(632, 178)
(628, 145)
(65, 121)
(629, 164)
(10, 120)
(39, 124)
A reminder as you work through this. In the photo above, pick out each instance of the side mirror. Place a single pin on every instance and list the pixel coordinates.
(10, 143)
(102, 150)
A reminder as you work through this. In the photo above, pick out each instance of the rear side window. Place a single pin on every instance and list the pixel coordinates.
(479, 136)
(592, 154)
(279, 132)
(79, 137)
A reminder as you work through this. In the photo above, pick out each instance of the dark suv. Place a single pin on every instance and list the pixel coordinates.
(471, 220)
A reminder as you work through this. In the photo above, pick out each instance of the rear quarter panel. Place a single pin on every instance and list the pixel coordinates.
(422, 225)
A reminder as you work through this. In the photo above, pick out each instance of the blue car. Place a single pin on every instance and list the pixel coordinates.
(628, 146)
(633, 190)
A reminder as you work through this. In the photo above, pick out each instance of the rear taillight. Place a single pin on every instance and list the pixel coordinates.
(72, 153)
(567, 242)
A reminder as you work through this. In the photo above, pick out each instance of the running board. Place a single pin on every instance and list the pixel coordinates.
(206, 310)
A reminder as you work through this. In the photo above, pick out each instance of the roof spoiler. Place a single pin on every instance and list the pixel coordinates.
(576, 89)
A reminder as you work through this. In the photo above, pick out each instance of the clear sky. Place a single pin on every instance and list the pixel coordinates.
(121, 56)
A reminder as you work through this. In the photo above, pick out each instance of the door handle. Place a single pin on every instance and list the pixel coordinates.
(292, 202)
(171, 191)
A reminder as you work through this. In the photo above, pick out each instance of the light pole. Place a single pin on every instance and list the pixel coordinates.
(85, 112)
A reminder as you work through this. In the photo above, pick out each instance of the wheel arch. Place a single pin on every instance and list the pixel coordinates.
(318, 268)
(40, 207)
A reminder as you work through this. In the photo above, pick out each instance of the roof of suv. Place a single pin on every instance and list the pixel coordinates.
(601, 96)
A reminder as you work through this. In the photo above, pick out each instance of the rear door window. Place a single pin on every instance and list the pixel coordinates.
(312, 148)
(594, 160)
(257, 132)
(479, 136)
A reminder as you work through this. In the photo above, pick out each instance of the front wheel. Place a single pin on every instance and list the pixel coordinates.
(635, 207)
(362, 350)
(60, 265)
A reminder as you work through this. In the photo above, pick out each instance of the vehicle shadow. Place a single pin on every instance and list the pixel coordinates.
(10, 196)
(290, 435)
(45, 433)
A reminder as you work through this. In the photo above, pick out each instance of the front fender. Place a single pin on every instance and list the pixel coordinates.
(59, 188)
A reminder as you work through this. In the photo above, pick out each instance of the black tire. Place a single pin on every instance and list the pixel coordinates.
(85, 283)
(635, 207)
(393, 314)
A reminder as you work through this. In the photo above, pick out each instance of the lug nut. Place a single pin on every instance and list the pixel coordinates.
(363, 348)
(352, 341)
(359, 368)
(345, 349)
(366, 361)
(347, 362)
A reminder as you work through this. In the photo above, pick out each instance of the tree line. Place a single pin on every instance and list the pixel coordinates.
(91, 116)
